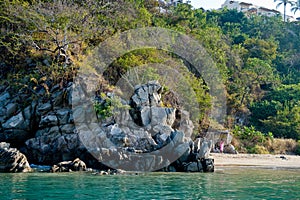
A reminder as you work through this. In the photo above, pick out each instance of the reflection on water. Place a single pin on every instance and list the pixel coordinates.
(17, 183)
(225, 183)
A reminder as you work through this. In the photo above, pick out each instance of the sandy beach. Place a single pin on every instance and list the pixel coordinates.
(258, 160)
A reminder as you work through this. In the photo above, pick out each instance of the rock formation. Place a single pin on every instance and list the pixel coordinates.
(68, 166)
(142, 138)
(11, 160)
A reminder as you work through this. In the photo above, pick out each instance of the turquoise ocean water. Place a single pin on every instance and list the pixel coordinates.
(225, 183)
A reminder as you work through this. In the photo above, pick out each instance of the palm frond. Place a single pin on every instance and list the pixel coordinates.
(278, 5)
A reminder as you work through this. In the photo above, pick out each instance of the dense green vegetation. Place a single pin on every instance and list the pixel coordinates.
(44, 42)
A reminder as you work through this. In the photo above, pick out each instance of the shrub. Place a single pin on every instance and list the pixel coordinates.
(258, 149)
(283, 146)
(250, 134)
(108, 106)
(251, 140)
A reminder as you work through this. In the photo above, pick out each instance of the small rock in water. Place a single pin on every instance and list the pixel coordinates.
(69, 166)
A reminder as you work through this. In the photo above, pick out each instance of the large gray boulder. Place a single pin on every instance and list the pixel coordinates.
(165, 116)
(15, 122)
(16, 129)
(145, 97)
(204, 149)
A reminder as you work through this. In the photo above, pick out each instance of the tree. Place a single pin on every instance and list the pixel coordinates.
(284, 3)
(262, 49)
(278, 112)
(255, 73)
(296, 6)
(286, 123)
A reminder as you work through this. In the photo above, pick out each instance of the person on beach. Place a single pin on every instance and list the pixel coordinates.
(222, 146)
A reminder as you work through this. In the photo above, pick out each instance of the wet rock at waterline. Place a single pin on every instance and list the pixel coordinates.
(69, 166)
(11, 160)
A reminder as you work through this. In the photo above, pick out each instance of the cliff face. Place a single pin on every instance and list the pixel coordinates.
(43, 130)
(143, 137)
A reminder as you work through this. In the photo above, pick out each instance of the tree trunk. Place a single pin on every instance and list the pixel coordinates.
(284, 13)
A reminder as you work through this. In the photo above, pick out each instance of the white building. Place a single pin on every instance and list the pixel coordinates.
(250, 9)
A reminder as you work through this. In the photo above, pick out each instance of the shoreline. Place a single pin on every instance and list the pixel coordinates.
(256, 160)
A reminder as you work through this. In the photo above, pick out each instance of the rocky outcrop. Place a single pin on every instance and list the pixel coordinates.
(16, 124)
(43, 129)
(11, 160)
(56, 138)
(69, 166)
(145, 137)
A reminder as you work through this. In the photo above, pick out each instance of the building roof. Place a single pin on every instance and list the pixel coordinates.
(246, 4)
(268, 10)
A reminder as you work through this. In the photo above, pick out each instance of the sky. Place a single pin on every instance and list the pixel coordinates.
(215, 4)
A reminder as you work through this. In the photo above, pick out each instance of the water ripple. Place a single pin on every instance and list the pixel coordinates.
(226, 184)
